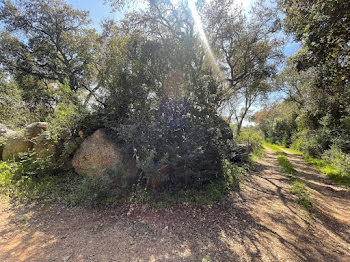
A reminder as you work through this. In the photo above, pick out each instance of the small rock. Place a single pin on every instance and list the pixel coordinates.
(165, 230)
(66, 258)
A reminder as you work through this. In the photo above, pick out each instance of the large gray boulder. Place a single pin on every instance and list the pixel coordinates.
(5, 132)
(44, 146)
(35, 129)
(22, 141)
(97, 153)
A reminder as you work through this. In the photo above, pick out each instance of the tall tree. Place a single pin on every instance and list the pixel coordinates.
(248, 51)
(49, 40)
(323, 26)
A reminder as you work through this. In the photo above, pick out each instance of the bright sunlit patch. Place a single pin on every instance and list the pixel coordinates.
(244, 3)
(199, 25)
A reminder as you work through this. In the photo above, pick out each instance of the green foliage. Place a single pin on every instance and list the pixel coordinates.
(323, 27)
(273, 147)
(339, 159)
(191, 152)
(54, 45)
(253, 140)
(286, 166)
(110, 188)
(312, 143)
(13, 111)
(210, 193)
(278, 122)
(299, 189)
(336, 173)
(149, 79)
(17, 183)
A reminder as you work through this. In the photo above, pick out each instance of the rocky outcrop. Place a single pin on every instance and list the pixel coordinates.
(23, 141)
(44, 146)
(5, 132)
(97, 153)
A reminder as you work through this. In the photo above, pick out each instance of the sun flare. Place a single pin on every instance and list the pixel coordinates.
(204, 39)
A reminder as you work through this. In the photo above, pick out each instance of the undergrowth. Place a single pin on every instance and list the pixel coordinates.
(213, 192)
(325, 167)
(17, 184)
(255, 157)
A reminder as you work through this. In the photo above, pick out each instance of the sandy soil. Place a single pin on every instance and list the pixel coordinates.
(260, 222)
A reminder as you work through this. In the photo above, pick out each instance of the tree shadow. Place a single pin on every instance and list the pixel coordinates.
(261, 222)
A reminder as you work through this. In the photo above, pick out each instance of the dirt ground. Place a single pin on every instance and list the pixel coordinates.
(260, 222)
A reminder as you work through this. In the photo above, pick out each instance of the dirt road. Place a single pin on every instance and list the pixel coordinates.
(261, 222)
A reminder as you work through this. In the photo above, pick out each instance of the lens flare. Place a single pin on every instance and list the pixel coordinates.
(204, 39)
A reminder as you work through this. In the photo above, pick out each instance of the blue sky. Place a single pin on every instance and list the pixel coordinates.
(99, 11)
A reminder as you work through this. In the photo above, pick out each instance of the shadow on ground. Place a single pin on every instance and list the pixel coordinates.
(259, 222)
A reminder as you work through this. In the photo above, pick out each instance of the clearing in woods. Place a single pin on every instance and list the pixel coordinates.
(261, 222)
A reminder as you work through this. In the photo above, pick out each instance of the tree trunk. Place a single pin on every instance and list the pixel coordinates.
(239, 126)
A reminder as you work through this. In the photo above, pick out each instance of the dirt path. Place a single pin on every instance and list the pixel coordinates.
(261, 222)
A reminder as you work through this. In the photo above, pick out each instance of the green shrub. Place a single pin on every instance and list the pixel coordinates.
(339, 159)
(190, 148)
(17, 183)
(253, 140)
(111, 187)
(312, 143)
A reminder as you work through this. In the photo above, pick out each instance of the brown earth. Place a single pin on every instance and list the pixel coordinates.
(260, 222)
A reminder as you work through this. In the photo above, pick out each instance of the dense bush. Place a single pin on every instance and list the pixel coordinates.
(312, 143)
(178, 149)
(253, 140)
(339, 159)
(113, 185)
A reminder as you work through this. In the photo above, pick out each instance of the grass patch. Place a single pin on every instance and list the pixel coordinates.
(299, 189)
(38, 188)
(211, 193)
(325, 167)
(73, 189)
(254, 157)
(295, 152)
(273, 147)
(285, 165)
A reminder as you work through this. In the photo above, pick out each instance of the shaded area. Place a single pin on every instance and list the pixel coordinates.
(260, 222)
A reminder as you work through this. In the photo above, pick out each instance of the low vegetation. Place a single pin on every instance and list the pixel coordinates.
(334, 171)
(298, 188)
(22, 183)
(253, 141)
(273, 147)
(286, 166)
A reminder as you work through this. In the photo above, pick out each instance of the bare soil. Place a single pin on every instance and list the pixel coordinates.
(259, 222)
